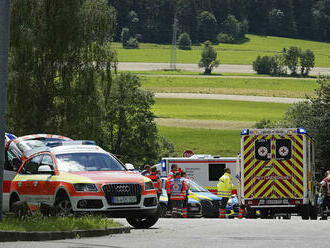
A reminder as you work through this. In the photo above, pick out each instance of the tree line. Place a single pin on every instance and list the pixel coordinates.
(63, 80)
(204, 20)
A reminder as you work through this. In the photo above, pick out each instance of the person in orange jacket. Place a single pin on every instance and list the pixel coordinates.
(177, 189)
(156, 180)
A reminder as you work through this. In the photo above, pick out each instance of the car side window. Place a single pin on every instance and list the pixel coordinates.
(47, 160)
(31, 166)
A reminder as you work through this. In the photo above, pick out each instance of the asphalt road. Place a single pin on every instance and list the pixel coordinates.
(229, 97)
(193, 233)
(223, 68)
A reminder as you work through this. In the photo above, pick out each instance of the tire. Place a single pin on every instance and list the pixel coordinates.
(313, 212)
(287, 217)
(305, 212)
(14, 198)
(251, 213)
(63, 204)
(264, 213)
(143, 223)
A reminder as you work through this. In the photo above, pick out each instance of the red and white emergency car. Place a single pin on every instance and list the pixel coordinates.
(84, 178)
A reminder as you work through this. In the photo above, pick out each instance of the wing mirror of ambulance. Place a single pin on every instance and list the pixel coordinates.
(46, 170)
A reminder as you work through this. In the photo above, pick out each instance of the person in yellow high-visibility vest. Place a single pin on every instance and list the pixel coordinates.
(224, 187)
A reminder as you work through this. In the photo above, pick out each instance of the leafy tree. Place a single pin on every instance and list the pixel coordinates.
(307, 61)
(276, 21)
(133, 23)
(184, 41)
(207, 25)
(278, 65)
(314, 116)
(209, 58)
(130, 122)
(291, 56)
(225, 38)
(125, 36)
(263, 65)
(55, 65)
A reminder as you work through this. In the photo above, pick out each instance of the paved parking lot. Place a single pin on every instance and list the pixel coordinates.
(206, 233)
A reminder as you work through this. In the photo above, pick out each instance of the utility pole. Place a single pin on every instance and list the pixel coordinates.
(173, 51)
(4, 51)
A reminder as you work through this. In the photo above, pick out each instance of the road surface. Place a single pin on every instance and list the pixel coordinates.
(197, 233)
(223, 68)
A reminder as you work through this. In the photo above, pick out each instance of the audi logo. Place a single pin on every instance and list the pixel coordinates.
(122, 188)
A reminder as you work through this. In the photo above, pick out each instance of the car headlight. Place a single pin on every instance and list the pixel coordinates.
(148, 185)
(85, 187)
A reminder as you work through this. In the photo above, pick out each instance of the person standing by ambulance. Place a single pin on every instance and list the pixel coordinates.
(177, 189)
(156, 180)
(224, 187)
(185, 202)
(325, 184)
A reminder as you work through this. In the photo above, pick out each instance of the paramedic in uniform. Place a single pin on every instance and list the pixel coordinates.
(155, 180)
(176, 187)
(224, 187)
(185, 202)
(326, 187)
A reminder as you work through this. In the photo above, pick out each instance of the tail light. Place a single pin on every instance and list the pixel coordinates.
(252, 202)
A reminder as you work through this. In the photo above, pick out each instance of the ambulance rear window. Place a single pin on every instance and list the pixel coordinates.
(262, 149)
(283, 149)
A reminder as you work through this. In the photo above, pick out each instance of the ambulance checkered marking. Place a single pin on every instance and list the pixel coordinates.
(273, 178)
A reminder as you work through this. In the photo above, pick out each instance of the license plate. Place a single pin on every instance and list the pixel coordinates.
(124, 199)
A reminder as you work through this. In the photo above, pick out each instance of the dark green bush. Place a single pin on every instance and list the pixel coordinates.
(184, 41)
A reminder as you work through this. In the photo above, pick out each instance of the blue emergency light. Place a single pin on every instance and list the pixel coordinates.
(71, 142)
(301, 130)
(245, 132)
(163, 163)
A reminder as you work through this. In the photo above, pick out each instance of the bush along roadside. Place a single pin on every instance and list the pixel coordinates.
(290, 58)
(39, 227)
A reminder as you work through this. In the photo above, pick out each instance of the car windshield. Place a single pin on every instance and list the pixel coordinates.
(76, 162)
(26, 145)
(195, 187)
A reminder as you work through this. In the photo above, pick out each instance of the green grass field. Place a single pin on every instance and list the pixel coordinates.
(218, 110)
(295, 88)
(244, 53)
(203, 141)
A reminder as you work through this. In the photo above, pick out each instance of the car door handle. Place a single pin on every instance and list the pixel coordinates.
(35, 184)
(19, 184)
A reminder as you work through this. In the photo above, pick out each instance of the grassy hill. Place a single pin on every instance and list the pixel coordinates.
(228, 53)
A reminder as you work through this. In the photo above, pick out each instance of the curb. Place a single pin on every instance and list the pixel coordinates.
(8, 236)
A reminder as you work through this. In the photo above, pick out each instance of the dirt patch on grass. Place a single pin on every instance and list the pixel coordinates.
(205, 124)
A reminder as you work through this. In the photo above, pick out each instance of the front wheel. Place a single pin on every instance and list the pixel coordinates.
(63, 204)
(143, 223)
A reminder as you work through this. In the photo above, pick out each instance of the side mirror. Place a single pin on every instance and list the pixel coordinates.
(129, 166)
(46, 169)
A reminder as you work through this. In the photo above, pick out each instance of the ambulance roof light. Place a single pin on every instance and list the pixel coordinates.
(245, 132)
(301, 130)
